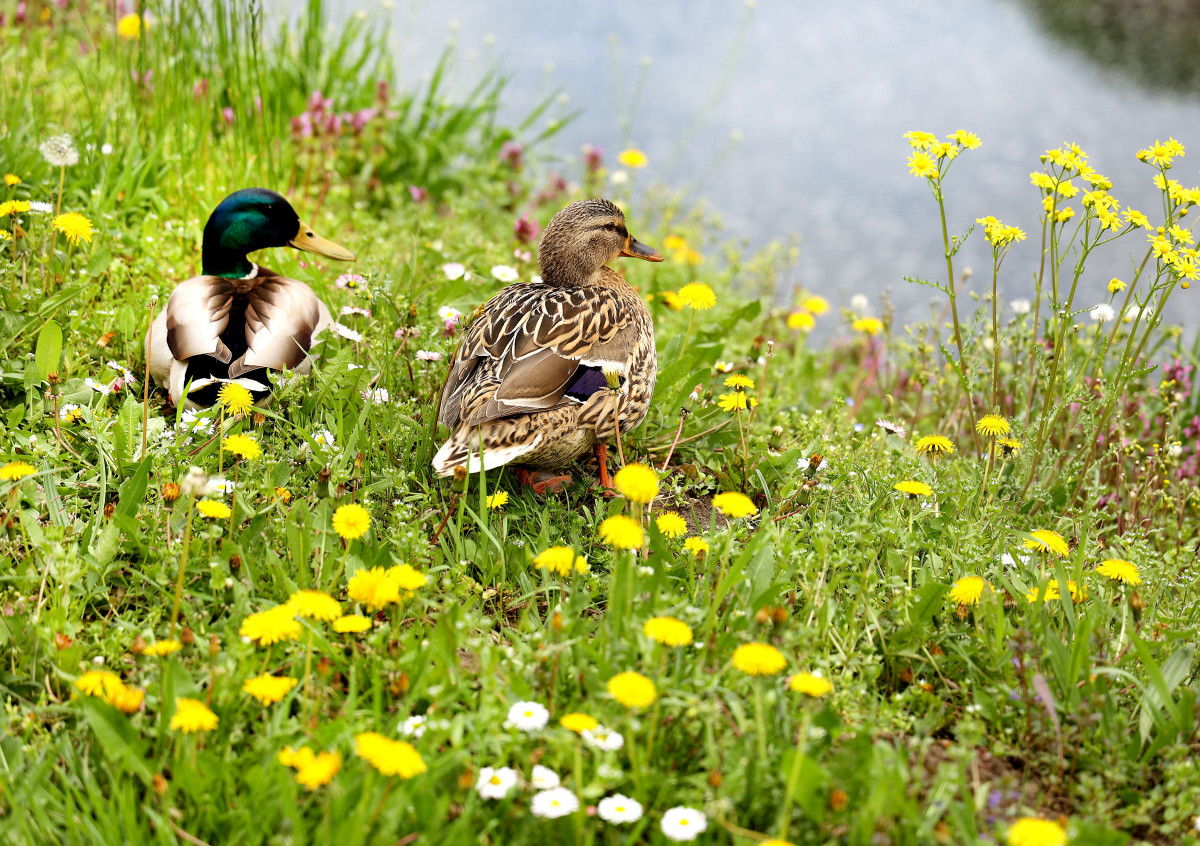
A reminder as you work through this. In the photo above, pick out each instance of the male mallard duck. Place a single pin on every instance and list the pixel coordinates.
(528, 379)
(239, 320)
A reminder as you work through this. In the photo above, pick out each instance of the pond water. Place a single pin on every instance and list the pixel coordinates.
(819, 94)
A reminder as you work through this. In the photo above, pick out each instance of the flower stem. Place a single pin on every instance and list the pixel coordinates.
(183, 559)
(793, 776)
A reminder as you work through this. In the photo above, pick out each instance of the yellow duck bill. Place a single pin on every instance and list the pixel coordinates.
(636, 249)
(311, 242)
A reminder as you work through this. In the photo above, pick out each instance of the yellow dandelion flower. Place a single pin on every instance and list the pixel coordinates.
(968, 590)
(268, 689)
(10, 206)
(934, 445)
(810, 685)
(922, 165)
(390, 757)
(498, 500)
(632, 689)
(320, 770)
(271, 626)
(102, 684)
(315, 605)
(74, 227)
(1048, 595)
(914, 489)
(758, 659)
(867, 325)
(579, 722)
(351, 521)
(637, 483)
(295, 758)
(192, 715)
(739, 382)
(671, 300)
(374, 588)
(408, 578)
(992, 426)
(213, 510)
(668, 631)
(162, 648)
(129, 27)
(235, 399)
(735, 401)
(670, 524)
(1010, 445)
(561, 560)
(696, 546)
(622, 532)
(15, 471)
(735, 505)
(351, 624)
(11, 179)
(633, 158)
(816, 305)
(698, 296)
(801, 320)
(243, 446)
(283, 495)
(1120, 571)
(1045, 540)
(128, 699)
(1032, 831)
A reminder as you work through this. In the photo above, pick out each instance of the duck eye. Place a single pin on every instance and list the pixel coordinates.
(611, 227)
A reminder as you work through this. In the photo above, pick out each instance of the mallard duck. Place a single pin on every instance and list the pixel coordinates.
(528, 379)
(239, 320)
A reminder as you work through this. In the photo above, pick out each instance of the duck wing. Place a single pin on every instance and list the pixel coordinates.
(527, 350)
(269, 321)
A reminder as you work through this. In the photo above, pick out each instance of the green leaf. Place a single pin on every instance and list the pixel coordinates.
(117, 737)
(49, 349)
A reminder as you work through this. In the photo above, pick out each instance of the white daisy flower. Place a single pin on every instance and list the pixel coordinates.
(1103, 313)
(619, 809)
(413, 726)
(527, 716)
(618, 177)
(724, 366)
(859, 302)
(603, 738)
(1132, 313)
(543, 778)
(325, 438)
(41, 208)
(377, 396)
(345, 331)
(554, 803)
(505, 273)
(126, 374)
(680, 824)
(223, 486)
(428, 355)
(194, 421)
(454, 269)
(448, 313)
(495, 783)
(98, 387)
(1020, 306)
(349, 281)
(69, 411)
(361, 312)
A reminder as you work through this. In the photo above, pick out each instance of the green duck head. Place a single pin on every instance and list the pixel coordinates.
(255, 219)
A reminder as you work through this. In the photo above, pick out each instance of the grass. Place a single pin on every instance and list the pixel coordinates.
(948, 720)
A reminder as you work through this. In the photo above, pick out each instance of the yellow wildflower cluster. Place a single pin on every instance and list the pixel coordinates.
(378, 587)
(561, 560)
(108, 687)
(390, 757)
(998, 234)
(1162, 154)
(930, 152)
(805, 318)
(681, 252)
(312, 770)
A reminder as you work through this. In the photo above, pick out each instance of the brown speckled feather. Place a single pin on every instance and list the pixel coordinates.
(526, 383)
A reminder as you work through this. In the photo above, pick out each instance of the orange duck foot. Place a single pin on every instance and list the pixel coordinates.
(542, 483)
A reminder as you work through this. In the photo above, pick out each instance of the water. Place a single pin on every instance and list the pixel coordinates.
(820, 93)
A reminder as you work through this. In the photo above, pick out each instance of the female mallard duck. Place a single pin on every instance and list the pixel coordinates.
(528, 381)
(239, 320)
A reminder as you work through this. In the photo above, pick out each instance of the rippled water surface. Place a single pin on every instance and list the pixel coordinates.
(819, 94)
